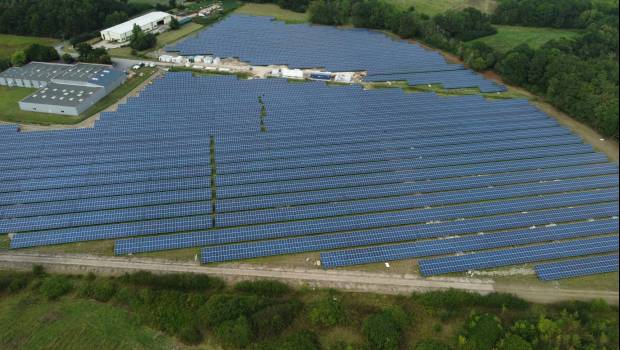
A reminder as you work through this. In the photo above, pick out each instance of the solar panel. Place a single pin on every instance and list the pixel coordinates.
(515, 256)
(577, 267)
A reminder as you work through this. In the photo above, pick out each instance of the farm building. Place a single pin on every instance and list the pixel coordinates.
(63, 88)
(150, 22)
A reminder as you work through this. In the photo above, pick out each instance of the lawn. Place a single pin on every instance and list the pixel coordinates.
(12, 43)
(508, 37)
(274, 11)
(31, 323)
(10, 112)
(433, 7)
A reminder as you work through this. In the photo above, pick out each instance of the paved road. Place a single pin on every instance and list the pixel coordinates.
(347, 280)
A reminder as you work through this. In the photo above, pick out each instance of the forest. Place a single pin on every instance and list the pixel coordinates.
(265, 315)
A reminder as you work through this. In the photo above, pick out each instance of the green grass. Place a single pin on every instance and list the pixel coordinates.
(10, 112)
(12, 43)
(30, 323)
(508, 37)
(10, 96)
(434, 7)
(272, 10)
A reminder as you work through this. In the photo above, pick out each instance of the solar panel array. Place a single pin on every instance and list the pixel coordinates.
(577, 267)
(381, 173)
(264, 41)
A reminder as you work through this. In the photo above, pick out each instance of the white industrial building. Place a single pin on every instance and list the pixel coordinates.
(150, 22)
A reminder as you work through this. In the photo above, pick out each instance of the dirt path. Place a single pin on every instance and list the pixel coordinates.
(385, 283)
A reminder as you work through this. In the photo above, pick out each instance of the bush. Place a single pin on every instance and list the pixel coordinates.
(431, 345)
(274, 319)
(235, 333)
(328, 311)
(223, 307)
(514, 342)
(13, 281)
(54, 287)
(383, 331)
(18, 58)
(180, 282)
(481, 332)
(266, 288)
(101, 290)
(453, 299)
(301, 340)
(67, 58)
(190, 334)
(38, 270)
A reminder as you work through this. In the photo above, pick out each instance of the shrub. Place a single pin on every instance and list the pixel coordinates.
(67, 58)
(301, 340)
(101, 290)
(383, 331)
(13, 281)
(180, 282)
(514, 342)
(38, 270)
(223, 307)
(328, 311)
(266, 288)
(429, 344)
(19, 58)
(190, 334)
(481, 332)
(235, 333)
(274, 319)
(54, 287)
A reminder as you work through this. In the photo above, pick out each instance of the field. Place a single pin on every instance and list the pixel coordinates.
(12, 43)
(10, 112)
(508, 37)
(34, 323)
(434, 7)
(272, 11)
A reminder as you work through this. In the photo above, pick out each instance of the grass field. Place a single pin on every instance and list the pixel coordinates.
(272, 10)
(508, 37)
(12, 43)
(10, 112)
(32, 323)
(433, 7)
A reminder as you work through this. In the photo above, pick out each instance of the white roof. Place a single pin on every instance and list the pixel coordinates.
(150, 17)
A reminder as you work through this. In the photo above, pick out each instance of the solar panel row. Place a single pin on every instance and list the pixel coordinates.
(520, 255)
(577, 267)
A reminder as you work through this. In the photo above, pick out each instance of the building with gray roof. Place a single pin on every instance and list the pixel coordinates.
(63, 88)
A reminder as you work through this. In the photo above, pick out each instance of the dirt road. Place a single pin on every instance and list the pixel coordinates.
(385, 283)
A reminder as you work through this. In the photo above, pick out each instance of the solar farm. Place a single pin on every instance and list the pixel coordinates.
(262, 41)
(248, 168)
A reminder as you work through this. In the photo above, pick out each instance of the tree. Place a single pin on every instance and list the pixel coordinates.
(479, 56)
(115, 18)
(514, 342)
(42, 53)
(5, 63)
(174, 24)
(328, 311)
(481, 332)
(67, 58)
(515, 65)
(236, 333)
(18, 58)
(141, 40)
(383, 331)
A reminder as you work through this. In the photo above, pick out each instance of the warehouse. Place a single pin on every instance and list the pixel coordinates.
(63, 88)
(150, 23)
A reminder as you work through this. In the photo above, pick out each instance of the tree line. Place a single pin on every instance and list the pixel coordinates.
(64, 18)
(269, 315)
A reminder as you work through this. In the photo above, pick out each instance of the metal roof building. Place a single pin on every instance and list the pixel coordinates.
(149, 22)
(63, 88)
